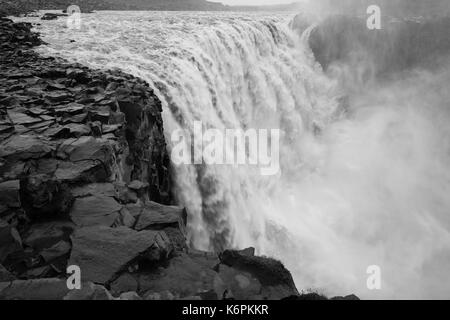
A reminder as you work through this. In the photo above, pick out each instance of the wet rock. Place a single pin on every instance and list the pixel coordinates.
(38, 289)
(171, 219)
(95, 210)
(10, 241)
(103, 252)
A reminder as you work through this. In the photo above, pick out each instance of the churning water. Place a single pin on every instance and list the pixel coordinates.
(365, 183)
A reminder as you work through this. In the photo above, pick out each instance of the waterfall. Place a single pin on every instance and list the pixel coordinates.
(357, 185)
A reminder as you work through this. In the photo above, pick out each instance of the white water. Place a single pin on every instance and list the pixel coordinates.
(365, 187)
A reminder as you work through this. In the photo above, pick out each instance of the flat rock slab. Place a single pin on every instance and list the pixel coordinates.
(24, 147)
(102, 252)
(157, 216)
(95, 210)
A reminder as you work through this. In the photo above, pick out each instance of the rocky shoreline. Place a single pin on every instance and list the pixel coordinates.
(85, 181)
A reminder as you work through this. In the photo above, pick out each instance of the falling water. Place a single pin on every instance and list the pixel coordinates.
(361, 184)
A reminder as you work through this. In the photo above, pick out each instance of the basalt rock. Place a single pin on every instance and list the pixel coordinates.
(103, 252)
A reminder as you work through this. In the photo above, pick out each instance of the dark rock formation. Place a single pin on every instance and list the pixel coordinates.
(76, 146)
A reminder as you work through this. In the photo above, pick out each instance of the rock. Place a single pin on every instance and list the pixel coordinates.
(5, 275)
(58, 96)
(157, 216)
(46, 235)
(86, 148)
(99, 189)
(37, 289)
(24, 147)
(185, 275)
(276, 281)
(10, 241)
(95, 210)
(137, 185)
(124, 194)
(237, 284)
(349, 297)
(125, 219)
(60, 249)
(85, 171)
(102, 252)
(129, 296)
(77, 130)
(124, 283)
(21, 118)
(45, 197)
(89, 291)
(9, 193)
(69, 109)
(41, 272)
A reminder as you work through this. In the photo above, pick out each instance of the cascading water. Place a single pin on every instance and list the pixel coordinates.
(361, 184)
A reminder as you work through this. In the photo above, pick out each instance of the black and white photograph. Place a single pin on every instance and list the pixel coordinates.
(231, 151)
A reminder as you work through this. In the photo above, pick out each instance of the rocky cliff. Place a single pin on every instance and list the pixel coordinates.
(85, 181)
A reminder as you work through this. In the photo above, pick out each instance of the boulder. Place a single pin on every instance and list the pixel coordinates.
(102, 252)
(37, 289)
(95, 210)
